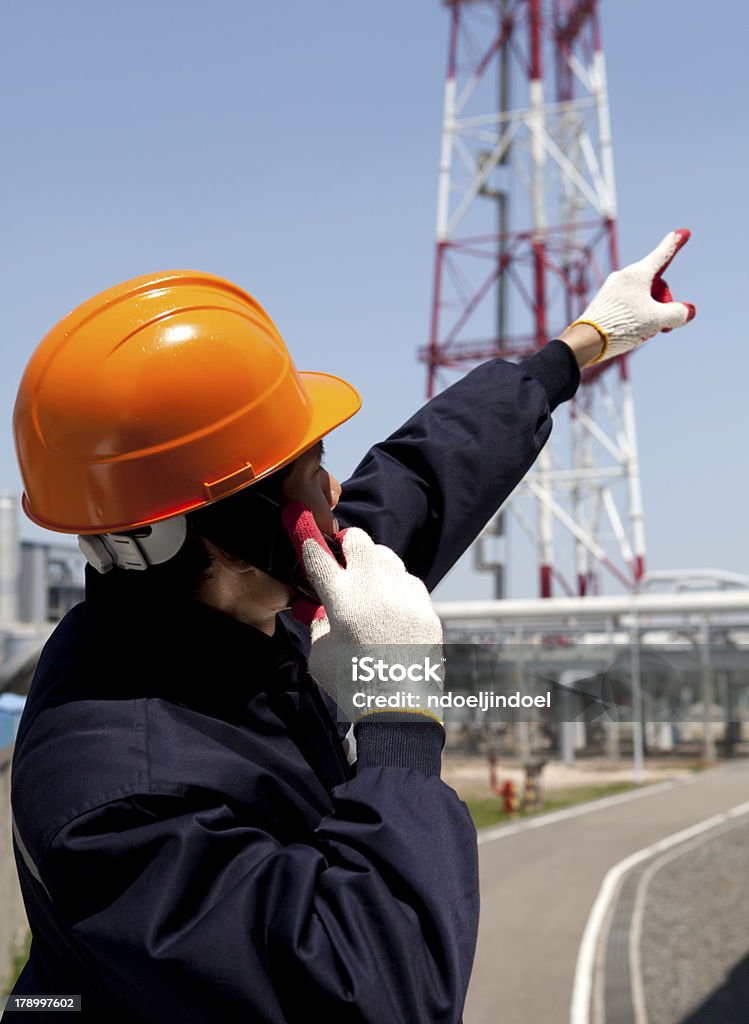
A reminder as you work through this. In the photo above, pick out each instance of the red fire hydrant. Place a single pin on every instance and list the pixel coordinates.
(508, 797)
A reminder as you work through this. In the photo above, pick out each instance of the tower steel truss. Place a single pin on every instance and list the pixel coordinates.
(526, 232)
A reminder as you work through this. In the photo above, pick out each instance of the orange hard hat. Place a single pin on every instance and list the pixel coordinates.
(161, 395)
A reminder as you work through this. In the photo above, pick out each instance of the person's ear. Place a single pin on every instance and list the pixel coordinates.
(231, 562)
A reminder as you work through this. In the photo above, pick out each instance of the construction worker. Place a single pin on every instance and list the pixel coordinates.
(196, 836)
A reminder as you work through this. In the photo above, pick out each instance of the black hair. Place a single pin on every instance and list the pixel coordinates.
(248, 524)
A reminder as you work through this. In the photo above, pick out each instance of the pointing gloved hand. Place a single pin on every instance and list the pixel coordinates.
(372, 609)
(635, 303)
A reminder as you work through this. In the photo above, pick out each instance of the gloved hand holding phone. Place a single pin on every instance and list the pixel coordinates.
(376, 639)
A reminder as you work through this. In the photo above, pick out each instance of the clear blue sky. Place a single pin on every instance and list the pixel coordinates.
(292, 147)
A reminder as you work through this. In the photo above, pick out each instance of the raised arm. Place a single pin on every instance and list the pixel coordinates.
(431, 487)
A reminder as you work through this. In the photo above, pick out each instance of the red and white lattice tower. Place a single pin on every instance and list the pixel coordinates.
(526, 232)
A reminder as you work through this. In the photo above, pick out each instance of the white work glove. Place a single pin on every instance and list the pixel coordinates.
(635, 303)
(372, 609)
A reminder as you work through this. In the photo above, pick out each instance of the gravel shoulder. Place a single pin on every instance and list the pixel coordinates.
(694, 948)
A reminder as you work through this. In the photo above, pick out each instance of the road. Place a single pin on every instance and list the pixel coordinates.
(538, 885)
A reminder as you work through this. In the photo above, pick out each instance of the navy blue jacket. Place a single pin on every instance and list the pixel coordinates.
(191, 841)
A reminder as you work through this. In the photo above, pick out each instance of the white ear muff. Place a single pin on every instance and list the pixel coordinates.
(137, 549)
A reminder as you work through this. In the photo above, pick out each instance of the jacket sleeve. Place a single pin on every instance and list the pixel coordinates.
(429, 489)
(194, 914)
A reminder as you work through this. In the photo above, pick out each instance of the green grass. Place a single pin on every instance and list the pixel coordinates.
(19, 954)
(488, 810)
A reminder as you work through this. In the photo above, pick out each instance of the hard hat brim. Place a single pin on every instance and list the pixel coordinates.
(332, 402)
